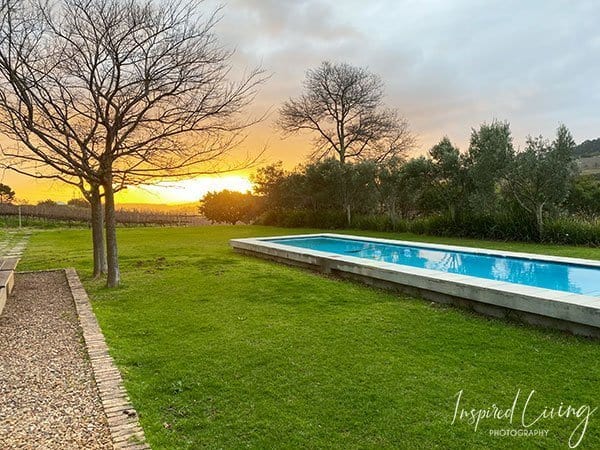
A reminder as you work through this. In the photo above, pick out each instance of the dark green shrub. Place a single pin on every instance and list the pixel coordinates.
(373, 222)
(230, 207)
(572, 231)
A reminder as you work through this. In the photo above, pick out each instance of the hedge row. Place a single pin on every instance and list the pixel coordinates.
(504, 227)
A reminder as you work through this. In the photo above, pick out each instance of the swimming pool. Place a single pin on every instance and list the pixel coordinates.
(574, 278)
(545, 290)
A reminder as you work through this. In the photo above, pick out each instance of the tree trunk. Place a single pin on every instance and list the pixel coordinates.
(345, 195)
(348, 214)
(539, 220)
(393, 216)
(452, 209)
(113, 278)
(100, 265)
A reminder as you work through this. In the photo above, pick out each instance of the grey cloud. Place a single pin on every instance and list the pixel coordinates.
(447, 65)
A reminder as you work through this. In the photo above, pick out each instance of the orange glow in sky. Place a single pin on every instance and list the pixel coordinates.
(184, 191)
(31, 191)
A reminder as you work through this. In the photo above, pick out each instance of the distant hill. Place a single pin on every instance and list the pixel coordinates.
(587, 155)
(587, 148)
(589, 165)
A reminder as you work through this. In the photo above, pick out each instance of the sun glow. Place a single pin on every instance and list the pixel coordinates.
(183, 191)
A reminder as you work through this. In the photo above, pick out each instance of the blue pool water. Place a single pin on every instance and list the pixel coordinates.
(578, 279)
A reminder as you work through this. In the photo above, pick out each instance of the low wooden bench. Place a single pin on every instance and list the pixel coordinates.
(9, 263)
(7, 278)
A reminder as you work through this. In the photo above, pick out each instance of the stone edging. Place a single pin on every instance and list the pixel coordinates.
(123, 423)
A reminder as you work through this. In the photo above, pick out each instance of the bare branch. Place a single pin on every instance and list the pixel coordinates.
(343, 106)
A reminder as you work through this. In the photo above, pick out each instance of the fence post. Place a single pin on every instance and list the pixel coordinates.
(19, 216)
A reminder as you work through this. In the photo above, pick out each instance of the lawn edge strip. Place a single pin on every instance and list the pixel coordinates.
(122, 417)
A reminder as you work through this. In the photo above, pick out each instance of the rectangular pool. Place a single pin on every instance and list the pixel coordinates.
(545, 290)
(574, 278)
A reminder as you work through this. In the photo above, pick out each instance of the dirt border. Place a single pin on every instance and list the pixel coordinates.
(123, 423)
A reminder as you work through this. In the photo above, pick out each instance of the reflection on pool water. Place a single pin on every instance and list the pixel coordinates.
(578, 279)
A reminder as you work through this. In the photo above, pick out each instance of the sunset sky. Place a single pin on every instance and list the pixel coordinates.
(447, 66)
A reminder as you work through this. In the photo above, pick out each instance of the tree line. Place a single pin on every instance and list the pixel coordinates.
(490, 178)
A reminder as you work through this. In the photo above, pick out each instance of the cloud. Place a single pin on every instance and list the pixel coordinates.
(448, 66)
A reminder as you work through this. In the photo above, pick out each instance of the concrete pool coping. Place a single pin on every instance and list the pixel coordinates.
(577, 313)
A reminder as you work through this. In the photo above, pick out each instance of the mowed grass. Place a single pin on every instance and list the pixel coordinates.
(220, 350)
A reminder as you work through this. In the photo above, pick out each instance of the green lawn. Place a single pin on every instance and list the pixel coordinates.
(223, 351)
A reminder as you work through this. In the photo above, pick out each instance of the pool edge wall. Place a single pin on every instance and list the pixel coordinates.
(527, 306)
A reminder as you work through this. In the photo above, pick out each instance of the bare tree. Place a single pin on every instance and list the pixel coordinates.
(343, 106)
(106, 93)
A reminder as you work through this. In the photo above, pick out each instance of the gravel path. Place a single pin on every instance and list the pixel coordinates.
(48, 397)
